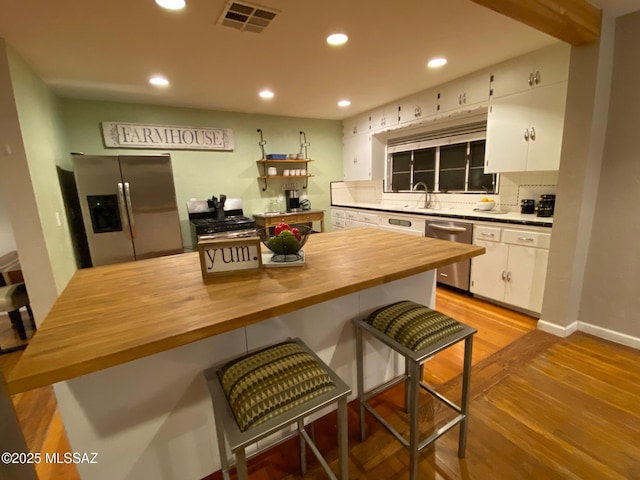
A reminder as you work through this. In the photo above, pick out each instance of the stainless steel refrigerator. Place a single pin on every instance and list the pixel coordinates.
(129, 207)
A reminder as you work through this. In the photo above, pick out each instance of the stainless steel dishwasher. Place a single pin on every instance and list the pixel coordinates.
(457, 274)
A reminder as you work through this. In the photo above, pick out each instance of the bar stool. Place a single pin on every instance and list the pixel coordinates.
(261, 393)
(416, 332)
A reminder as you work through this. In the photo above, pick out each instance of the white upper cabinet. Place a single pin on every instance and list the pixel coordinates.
(465, 92)
(363, 157)
(526, 112)
(384, 118)
(418, 107)
(538, 69)
(524, 130)
(356, 156)
(358, 125)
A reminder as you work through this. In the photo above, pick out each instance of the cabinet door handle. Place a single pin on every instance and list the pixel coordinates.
(485, 234)
(464, 97)
(526, 134)
(508, 276)
(417, 112)
(531, 79)
(526, 239)
(504, 275)
(536, 78)
(533, 133)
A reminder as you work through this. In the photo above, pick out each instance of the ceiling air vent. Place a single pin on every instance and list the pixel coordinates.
(246, 17)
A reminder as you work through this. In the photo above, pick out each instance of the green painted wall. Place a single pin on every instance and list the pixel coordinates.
(45, 147)
(200, 174)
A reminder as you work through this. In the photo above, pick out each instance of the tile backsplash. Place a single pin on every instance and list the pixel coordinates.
(513, 188)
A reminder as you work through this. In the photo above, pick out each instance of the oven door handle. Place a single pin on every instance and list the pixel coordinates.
(444, 228)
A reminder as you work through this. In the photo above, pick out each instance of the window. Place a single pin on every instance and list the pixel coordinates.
(447, 160)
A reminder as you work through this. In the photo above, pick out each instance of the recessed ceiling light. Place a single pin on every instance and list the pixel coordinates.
(171, 4)
(337, 39)
(266, 94)
(344, 103)
(159, 81)
(437, 62)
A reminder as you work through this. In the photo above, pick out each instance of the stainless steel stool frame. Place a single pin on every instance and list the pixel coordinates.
(414, 362)
(227, 429)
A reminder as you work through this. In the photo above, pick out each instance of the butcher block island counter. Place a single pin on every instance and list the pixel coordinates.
(125, 344)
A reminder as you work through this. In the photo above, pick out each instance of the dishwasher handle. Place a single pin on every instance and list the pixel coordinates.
(445, 228)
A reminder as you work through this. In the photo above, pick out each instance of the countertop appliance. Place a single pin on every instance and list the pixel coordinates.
(128, 206)
(293, 201)
(206, 223)
(456, 274)
(527, 206)
(546, 205)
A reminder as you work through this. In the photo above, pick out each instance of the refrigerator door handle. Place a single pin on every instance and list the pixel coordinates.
(132, 221)
(123, 210)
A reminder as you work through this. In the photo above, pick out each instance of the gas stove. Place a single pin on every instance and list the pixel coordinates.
(231, 223)
(206, 224)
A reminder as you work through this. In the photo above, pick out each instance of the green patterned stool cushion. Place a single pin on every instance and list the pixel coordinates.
(413, 325)
(269, 382)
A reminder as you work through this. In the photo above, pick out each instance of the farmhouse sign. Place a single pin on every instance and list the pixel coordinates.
(138, 135)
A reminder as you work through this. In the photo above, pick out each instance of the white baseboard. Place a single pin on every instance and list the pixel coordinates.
(557, 330)
(612, 335)
(617, 337)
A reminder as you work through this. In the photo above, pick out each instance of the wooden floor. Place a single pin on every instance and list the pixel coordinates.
(542, 408)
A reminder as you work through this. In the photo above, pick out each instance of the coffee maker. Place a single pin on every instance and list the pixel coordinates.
(292, 197)
(546, 205)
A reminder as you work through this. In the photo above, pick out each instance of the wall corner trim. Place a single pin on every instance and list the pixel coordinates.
(557, 330)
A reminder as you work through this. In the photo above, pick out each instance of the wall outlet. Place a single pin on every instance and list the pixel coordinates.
(58, 219)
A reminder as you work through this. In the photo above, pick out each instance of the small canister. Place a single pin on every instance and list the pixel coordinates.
(527, 206)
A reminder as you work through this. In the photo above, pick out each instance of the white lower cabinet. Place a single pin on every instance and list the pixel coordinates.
(338, 219)
(514, 267)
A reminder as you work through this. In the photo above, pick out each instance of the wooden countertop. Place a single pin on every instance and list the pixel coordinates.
(113, 314)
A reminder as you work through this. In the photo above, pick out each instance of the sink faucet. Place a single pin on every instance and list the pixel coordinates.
(427, 194)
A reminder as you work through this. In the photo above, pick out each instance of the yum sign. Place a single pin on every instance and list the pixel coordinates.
(227, 256)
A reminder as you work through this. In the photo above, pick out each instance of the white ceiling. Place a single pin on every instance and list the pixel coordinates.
(108, 49)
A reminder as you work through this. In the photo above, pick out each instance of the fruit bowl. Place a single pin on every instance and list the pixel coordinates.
(287, 243)
(485, 206)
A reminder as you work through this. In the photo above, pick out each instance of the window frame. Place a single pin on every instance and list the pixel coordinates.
(437, 143)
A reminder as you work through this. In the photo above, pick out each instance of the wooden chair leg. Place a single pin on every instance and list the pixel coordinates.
(16, 321)
(33, 321)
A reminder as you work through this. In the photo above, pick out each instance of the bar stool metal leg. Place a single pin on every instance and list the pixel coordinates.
(360, 381)
(303, 448)
(414, 391)
(241, 464)
(343, 439)
(222, 448)
(466, 386)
